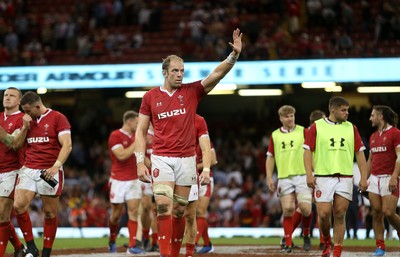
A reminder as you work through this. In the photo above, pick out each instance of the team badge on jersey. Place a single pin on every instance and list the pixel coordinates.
(318, 193)
(180, 97)
(156, 172)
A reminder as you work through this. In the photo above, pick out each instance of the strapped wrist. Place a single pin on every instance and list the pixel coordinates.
(139, 157)
(232, 58)
(57, 164)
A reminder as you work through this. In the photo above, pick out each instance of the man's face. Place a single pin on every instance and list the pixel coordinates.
(287, 120)
(375, 118)
(174, 74)
(341, 113)
(32, 110)
(11, 98)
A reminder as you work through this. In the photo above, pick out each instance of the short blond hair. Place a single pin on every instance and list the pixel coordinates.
(286, 109)
(167, 61)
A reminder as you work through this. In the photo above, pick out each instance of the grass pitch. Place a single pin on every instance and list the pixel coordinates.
(76, 243)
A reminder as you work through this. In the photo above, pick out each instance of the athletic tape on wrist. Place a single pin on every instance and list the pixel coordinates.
(232, 58)
(139, 157)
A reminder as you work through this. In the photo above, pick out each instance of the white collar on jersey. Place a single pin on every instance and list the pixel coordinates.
(125, 132)
(38, 119)
(385, 129)
(5, 115)
(166, 91)
(288, 130)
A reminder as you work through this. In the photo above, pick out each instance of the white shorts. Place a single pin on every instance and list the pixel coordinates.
(380, 185)
(194, 193)
(29, 179)
(327, 187)
(297, 184)
(207, 190)
(122, 191)
(7, 184)
(182, 171)
(147, 189)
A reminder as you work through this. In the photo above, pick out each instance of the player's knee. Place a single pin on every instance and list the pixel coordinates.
(190, 220)
(376, 214)
(388, 213)
(20, 208)
(179, 210)
(200, 213)
(133, 213)
(324, 215)
(162, 209)
(49, 214)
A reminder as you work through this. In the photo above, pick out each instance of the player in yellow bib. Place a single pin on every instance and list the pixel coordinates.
(334, 142)
(285, 149)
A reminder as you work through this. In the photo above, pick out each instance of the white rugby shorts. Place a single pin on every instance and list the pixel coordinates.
(29, 179)
(147, 189)
(327, 187)
(181, 170)
(297, 184)
(380, 185)
(122, 191)
(194, 193)
(7, 183)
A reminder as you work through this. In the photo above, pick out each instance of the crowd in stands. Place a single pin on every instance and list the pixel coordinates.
(273, 30)
(120, 31)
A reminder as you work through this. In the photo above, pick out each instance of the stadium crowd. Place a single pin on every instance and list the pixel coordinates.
(49, 32)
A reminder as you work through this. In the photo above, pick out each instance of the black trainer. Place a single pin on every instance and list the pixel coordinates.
(306, 243)
(34, 252)
(21, 252)
(287, 249)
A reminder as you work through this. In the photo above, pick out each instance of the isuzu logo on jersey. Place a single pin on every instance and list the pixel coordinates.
(176, 112)
(378, 149)
(37, 140)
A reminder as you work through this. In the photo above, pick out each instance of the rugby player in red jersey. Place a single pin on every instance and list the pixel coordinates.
(171, 109)
(203, 160)
(125, 187)
(48, 147)
(384, 169)
(10, 162)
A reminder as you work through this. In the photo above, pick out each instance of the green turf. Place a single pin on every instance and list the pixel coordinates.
(67, 243)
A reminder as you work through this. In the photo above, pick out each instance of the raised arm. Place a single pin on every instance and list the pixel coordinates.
(225, 66)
